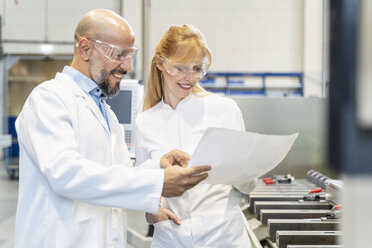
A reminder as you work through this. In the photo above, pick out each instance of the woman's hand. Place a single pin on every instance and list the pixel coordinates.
(163, 214)
(175, 157)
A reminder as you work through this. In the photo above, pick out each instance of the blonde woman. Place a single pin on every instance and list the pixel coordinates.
(176, 113)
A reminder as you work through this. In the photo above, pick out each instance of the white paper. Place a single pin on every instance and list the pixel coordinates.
(237, 157)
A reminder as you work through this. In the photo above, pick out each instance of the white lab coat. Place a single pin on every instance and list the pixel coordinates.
(75, 175)
(210, 214)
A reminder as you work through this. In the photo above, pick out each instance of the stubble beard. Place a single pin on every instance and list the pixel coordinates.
(103, 82)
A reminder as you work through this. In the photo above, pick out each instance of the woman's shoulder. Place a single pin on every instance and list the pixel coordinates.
(219, 101)
(148, 114)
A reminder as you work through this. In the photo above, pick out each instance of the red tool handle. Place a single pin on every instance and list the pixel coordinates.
(337, 207)
(316, 190)
(270, 181)
(267, 179)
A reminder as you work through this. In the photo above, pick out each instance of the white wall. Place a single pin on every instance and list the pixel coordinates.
(132, 12)
(49, 20)
(314, 60)
(244, 36)
(250, 36)
(44, 21)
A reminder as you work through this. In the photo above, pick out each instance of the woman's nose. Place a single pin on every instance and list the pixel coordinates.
(189, 76)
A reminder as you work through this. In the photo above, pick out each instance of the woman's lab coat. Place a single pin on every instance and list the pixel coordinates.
(75, 175)
(210, 214)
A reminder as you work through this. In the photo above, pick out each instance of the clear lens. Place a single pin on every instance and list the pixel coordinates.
(182, 70)
(115, 53)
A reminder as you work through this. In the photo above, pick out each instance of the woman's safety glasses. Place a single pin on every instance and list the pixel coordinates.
(182, 70)
(112, 52)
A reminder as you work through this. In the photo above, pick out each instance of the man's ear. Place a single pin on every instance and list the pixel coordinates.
(85, 48)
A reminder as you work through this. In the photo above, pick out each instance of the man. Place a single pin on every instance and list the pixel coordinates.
(75, 172)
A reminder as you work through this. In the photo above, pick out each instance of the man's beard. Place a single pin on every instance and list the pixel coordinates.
(103, 82)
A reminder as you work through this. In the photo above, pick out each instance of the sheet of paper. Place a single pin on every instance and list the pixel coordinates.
(237, 157)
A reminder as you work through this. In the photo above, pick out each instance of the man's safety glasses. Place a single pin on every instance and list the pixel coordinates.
(112, 52)
(182, 70)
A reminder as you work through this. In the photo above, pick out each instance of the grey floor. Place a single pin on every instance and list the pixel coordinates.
(8, 205)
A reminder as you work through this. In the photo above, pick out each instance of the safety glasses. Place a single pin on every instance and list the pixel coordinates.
(182, 70)
(112, 52)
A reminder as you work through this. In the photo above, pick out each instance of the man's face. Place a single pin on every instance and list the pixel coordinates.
(108, 72)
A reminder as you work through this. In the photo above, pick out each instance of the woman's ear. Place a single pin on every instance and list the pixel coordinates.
(159, 64)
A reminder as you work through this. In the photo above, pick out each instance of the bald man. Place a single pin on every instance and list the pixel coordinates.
(75, 173)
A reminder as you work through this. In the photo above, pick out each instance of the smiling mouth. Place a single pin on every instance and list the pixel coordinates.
(119, 74)
(185, 86)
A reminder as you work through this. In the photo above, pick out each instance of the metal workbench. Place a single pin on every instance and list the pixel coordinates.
(297, 213)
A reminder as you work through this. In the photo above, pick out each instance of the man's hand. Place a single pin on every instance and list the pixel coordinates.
(163, 214)
(175, 157)
(178, 179)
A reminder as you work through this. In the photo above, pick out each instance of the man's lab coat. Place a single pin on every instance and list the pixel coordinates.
(76, 175)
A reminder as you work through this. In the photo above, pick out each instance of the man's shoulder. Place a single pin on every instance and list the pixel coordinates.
(57, 85)
(51, 91)
(45, 87)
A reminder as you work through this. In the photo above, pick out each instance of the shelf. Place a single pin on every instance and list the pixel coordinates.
(257, 83)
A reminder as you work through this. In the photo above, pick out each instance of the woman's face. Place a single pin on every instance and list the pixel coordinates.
(179, 79)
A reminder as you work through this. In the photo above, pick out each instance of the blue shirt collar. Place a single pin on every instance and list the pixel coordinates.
(87, 84)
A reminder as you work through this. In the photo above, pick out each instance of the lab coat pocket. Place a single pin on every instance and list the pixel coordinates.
(220, 230)
(167, 234)
(80, 233)
(162, 236)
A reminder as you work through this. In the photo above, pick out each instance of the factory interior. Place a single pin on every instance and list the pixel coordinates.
(292, 66)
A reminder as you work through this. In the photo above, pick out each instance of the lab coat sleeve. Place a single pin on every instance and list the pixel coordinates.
(143, 159)
(238, 124)
(47, 136)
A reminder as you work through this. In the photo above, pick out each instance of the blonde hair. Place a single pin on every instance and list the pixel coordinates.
(182, 44)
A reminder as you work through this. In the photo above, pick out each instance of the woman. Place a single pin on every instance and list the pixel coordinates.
(180, 111)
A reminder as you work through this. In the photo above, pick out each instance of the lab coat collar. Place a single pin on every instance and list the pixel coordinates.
(79, 92)
(180, 105)
(84, 82)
